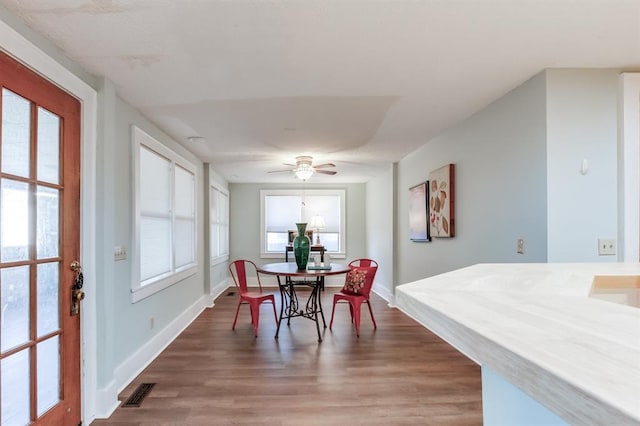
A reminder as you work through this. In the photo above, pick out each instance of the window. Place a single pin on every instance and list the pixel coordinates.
(164, 246)
(282, 209)
(219, 224)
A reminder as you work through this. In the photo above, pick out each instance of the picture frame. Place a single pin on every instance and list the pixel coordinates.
(418, 215)
(441, 202)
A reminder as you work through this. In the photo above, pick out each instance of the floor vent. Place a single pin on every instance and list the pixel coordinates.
(231, 293)
(139, 395)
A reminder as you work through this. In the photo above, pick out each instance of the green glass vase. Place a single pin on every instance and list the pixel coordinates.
(301, 246)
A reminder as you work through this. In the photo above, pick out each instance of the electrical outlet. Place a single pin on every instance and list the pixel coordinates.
(606, 246)
(119, 253)
(520, 249)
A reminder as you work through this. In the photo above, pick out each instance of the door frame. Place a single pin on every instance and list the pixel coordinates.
(27, 53)
(629, 168)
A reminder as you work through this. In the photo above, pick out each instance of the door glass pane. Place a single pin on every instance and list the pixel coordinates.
(15, 389)
(48, 146)
(15, 220)
(48, 299)
(16, 125)
(14, 296)
(48, 374)
(155, 247)
(48, 222)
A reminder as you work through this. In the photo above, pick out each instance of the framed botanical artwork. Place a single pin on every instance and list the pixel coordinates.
(441, 202)
(418, 223)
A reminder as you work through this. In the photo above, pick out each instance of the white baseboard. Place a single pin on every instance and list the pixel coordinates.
(385, 293)
(106, 401)
(107, 397)
(220, 288)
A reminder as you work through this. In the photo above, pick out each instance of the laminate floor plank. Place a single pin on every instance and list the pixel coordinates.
(399, 374)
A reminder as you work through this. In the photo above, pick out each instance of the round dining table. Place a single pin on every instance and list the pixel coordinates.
(294, 277)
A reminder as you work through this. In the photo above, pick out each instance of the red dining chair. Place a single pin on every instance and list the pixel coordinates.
(356, 290)
(238, 270)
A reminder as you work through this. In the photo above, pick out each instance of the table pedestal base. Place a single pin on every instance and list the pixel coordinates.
(290, 306)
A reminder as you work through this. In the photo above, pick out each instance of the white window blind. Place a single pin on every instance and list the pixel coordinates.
(164, 246)
(219, 224)
(282, 209)
(184, 217)
(155, 214)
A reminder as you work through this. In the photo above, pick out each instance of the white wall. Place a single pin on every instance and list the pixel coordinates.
(500, 187)
(380, 239)
(582, 120)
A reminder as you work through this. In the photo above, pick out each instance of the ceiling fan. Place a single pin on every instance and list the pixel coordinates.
(304, 168)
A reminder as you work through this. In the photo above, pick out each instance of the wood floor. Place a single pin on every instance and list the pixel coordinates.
(399, 374)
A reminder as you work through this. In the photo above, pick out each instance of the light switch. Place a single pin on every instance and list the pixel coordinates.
(119, 253)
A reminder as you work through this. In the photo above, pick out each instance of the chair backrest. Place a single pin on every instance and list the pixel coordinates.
(239, 270)
(364, 262)
(368, 265)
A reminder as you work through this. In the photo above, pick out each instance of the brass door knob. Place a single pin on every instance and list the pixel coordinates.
(77, 295)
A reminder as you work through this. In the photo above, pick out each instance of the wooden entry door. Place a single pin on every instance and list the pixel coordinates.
(39, 239)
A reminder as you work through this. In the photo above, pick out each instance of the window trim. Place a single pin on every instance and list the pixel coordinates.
(214, 186)
(151, 286)
(303, 192)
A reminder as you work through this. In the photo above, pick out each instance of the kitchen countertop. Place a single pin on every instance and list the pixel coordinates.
(536, 325)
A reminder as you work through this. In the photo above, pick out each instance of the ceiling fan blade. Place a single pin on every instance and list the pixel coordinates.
(326, 172)
(289, 164)
(320, 166)
(280, 171)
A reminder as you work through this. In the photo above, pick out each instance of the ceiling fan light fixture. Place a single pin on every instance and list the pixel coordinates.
(303, 171)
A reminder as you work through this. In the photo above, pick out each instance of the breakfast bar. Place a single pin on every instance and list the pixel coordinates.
(570, 347)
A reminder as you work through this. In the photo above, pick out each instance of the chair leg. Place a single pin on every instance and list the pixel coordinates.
(371, 312)
(255, 317)
(333, 311)
(233, 327)
(356, 315)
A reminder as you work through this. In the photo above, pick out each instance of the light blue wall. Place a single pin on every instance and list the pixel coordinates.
(379, 229)
(516, 163)
(500, 187)
(504, 404)
(215, 274)
(518, 176)
(582, 120)
(124, 327)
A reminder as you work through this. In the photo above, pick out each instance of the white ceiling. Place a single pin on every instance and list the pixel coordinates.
(360, 83)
